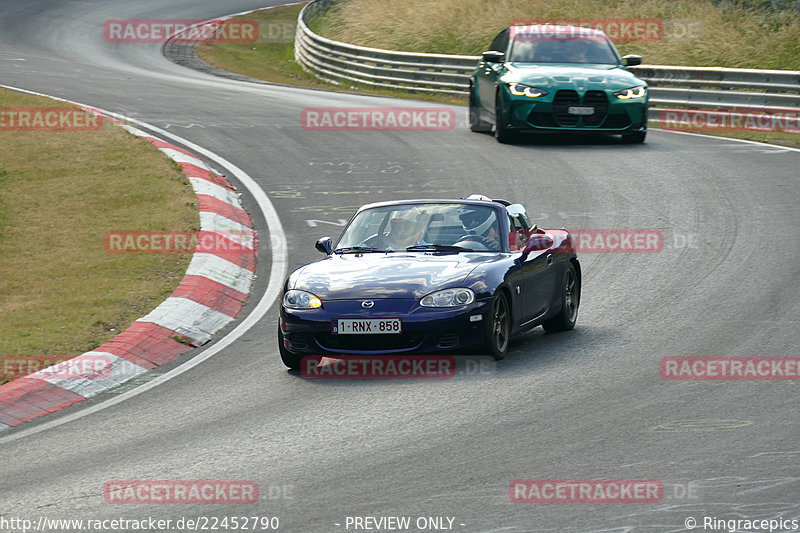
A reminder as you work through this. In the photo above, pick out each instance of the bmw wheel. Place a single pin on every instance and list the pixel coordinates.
(502, 132)
(475, 121)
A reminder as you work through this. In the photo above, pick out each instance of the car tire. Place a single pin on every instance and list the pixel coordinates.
(475, 122)
(292, 361)
(570, 300)
(502, 132)
(498, 327)
(636, 137)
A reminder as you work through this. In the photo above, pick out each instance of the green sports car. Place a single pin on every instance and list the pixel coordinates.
(558, 79)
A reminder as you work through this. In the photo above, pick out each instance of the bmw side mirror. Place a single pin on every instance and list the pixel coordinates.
(493, 56)
(324, 245)
(631, 60)
(537, 243)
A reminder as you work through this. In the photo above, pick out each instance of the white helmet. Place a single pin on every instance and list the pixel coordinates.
(476, 220)
(479, 197)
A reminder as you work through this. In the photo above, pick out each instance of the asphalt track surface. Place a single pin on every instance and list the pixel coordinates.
(589, 404)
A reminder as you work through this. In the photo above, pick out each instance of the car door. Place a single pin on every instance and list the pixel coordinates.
(488, 72)
(537, 270)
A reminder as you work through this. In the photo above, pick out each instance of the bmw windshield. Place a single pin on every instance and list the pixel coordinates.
(560, 44)
(423, 227)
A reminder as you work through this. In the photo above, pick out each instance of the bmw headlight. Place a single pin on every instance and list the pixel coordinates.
(294, 299)
(633, 92)
(448, 298)
(520, 89)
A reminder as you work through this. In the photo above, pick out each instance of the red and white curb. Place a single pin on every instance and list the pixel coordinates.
(210, 295)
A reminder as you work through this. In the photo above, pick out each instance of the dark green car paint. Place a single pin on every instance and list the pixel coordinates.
(568, 86)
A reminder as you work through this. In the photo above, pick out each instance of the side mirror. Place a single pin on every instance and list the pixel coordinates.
(324, 245)
(631, 60)
(493, 56)
(537, 243)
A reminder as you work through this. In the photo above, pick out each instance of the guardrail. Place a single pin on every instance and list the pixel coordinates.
(338, 62)
(670, 86)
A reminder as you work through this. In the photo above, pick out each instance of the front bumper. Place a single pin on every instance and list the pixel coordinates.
(551, 112)
(425, 330)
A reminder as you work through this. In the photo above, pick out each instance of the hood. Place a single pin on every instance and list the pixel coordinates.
(571, 76)
(379, 275)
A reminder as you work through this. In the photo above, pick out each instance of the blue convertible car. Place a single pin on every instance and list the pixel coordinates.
(430, 276)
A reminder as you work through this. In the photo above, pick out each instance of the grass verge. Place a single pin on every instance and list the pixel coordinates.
(271, 58)
(61, 293)
(695, 32)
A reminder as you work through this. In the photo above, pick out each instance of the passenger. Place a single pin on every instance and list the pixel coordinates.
(404, 230)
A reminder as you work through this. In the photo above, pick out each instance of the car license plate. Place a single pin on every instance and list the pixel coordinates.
(371, 326)
(575, 110)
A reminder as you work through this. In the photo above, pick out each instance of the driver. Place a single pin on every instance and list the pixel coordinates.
(404, 230)
(478, 221)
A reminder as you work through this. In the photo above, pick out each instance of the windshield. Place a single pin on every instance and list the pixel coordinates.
(532, 46)
(449, 227)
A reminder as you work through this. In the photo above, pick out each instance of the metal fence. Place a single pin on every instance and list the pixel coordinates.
(696, 87)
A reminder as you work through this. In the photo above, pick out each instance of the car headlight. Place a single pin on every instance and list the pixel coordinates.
(520, 89)
(448, 298)
(633, 92)
(294, 299)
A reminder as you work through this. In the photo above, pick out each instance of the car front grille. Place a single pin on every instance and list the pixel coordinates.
(561, 117)
(366, 343)
(599, 101)
(562, 101)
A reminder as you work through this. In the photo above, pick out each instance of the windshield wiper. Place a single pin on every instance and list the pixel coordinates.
(437, 248)
(357, 250)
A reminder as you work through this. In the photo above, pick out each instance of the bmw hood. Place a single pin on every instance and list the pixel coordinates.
(380, 275)
(571, 76)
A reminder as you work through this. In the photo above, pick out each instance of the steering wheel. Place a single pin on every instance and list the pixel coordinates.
(478, 243)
